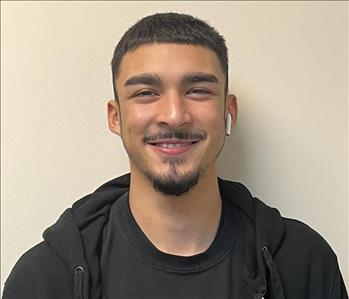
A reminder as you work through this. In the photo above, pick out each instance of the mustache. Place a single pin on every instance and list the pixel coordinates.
(174, 134)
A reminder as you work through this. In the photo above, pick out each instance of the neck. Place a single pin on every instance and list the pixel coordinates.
(184, 225)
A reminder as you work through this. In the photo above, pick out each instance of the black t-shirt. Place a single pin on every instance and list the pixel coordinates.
(132, 267)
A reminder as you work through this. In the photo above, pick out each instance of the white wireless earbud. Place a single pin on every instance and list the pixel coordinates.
(228, 125)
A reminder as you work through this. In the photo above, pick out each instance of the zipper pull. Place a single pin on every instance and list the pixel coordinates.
(78, 282)
(261, 294)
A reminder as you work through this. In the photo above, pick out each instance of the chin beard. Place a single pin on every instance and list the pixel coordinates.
(173, 183)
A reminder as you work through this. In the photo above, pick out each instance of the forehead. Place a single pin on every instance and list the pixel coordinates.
(169, 61)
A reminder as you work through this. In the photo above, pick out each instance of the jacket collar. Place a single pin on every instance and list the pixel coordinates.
(76, 236)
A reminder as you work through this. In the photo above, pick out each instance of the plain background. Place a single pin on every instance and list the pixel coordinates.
(288, 68)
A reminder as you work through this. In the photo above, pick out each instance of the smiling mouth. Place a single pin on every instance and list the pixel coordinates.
(173, 147)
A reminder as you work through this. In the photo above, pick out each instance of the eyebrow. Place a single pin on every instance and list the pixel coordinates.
(152, 79)
(145, 79)
(199, 77)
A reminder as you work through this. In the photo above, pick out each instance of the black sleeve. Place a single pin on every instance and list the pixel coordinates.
(338, 290)
(39, 274)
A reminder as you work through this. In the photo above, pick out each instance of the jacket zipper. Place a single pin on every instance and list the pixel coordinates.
(78, 282)
(261, 294)
(278, 292)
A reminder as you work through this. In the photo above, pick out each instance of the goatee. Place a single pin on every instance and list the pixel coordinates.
(173, 183)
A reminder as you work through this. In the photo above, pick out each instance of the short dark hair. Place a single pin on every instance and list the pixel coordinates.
(170, 28)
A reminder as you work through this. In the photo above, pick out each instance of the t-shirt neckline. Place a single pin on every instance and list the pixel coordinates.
(219, 248)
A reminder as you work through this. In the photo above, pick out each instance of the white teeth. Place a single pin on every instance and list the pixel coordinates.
(172, 145)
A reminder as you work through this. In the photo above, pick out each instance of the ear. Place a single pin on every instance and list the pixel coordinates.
(232, 108)
(114, 118)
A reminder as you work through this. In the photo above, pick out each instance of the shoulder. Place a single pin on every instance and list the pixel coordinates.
(301, 239)
(35, 273)
(306, 262)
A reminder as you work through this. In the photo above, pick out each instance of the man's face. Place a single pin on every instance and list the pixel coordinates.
(170, 114)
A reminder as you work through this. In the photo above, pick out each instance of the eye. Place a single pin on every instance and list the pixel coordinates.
(146, 93)
(199, 91)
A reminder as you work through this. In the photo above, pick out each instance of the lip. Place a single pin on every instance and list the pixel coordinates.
(175, 150)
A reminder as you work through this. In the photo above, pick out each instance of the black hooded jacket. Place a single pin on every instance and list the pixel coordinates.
(283, 258)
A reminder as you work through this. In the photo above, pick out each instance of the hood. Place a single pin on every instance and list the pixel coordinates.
(77, 237)
(264, 235)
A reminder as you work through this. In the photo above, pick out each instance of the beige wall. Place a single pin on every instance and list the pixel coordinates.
(288, 68)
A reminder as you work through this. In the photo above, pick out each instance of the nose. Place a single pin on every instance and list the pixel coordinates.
(174, 110)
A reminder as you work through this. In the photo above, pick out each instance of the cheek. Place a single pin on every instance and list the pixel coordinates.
(136, 121)
(217, 130)
(217, 121)
(211, 118)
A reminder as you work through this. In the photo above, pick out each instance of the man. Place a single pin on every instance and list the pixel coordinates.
(171, 228)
